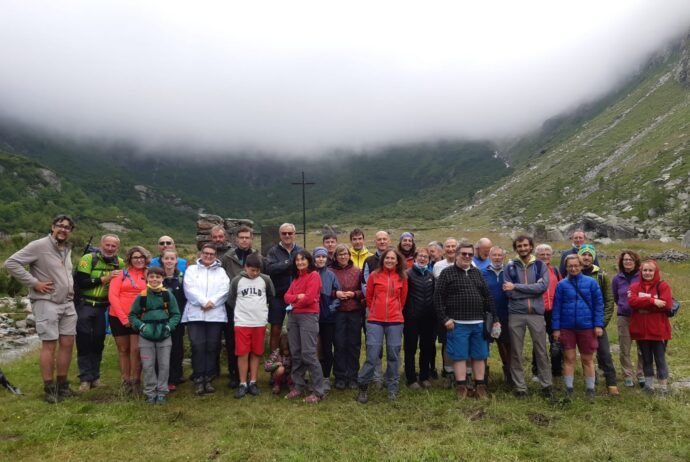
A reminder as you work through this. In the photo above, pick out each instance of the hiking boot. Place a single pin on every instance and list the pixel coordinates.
(253, 389)
(461, 391)
(589, 395)
(629, 382)
(426, 384)
(482, 392)
(172, 387)
(294, 394)
(340, 385)
(569, 392)
(415, 386)
(208, 387)
(126, 387)
(199, 387)
(392, 395)
(648, 390)
(362, 396)
(520, 394)
(64, 390)
(151, 400)
(97, 384)
(84, 387)
(161, 399)
(613, 391)
(276, 389)
(51, 395)
(241, 391)
(547, 392)
(313, 399)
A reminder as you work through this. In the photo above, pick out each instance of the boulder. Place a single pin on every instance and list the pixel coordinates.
(553, 235)
(666, 239)
(686, 239)
(610, 227)
(30, 321)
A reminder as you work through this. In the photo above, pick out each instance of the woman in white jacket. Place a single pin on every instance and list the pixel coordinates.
(206, 286)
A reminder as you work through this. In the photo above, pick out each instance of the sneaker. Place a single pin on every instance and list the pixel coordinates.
(340, 385)
(253, 389)
(629, 382)
(641, 382)
(84, 387)
(353, 385)
(589, 395)
(294, 394)
(392, 395)
(426, 384)
(362, 396)
(482, 392)
(208, 387)
(535, 379)
(569, 392)
(161, 399)
(613, 391)
(415, 386)
(520, 394)
(313, 399)
(648, 390)
(241, 391)
(275, 389)
(151, 400)
(51, 395)
(547, 392)
(433, 374)
(64, 390)
(97, 384)
(199, 387)
(172, 387)
(461, 391)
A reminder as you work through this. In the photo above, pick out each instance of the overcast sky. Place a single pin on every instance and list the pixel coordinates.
(303, 76)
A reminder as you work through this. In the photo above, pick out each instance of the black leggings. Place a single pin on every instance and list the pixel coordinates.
(653, 351)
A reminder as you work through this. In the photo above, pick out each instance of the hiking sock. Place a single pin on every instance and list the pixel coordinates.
(47, 383)
(569, 381)
(61, 378)
(589, 382)
(461, 382)
(252, 381)
(245, 383)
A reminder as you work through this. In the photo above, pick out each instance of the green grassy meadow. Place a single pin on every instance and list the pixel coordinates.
(423, 425)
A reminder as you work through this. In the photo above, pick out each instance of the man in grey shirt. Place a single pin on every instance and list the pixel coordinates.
(51, 291)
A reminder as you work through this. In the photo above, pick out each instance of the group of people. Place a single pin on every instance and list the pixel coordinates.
(465, 295)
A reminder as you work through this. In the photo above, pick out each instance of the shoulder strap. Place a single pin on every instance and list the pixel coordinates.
(577, 289)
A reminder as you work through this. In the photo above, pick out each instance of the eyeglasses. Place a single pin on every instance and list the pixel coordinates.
(467, 254)
(65, 227)
(422, 256)
(209, 254)
(138, 257)
(287, 233)
(165, 243)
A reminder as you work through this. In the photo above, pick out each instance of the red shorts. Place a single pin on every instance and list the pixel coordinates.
(585, 340)
(249, 340)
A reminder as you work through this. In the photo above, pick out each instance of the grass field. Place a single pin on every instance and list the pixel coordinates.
(425, 425)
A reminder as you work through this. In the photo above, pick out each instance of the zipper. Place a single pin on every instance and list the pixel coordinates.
(387, 293)
(529, 300)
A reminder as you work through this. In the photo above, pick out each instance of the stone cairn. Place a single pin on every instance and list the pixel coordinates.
(206, 221)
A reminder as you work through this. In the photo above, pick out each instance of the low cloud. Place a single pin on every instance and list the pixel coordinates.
(304, 77)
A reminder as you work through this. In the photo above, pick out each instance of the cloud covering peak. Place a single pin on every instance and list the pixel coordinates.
(303, 76)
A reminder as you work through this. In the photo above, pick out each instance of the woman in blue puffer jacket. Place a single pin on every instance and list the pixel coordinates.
(577, 321)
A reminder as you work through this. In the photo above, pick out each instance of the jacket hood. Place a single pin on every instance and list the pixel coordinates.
(215, 264)
(655, 280)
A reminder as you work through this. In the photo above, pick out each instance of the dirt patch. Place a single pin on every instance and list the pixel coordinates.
(214, 454)
(10, 437)
(475, 414)
(540, 419)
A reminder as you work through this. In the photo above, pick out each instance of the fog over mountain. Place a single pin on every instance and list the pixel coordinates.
(308, 76)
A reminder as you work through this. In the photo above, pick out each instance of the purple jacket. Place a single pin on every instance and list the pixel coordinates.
(620, 285)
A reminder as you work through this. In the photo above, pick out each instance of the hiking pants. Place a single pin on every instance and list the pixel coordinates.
(419, 331)
(348, 345)
(155, 356)
(518, 324)
(205, 340)
(303, 332)
(326, 336)
(654, 351)
(90, 340)
(375, 335)
(605, 361)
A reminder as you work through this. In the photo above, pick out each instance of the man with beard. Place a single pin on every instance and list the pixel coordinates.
(407, 248)
(220, 240)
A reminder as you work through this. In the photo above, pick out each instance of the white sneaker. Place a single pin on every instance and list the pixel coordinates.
(84, 386)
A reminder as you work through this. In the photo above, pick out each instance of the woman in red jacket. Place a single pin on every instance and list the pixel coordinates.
(650, 300)
(303, 327)
(121, 294)
(386, 295)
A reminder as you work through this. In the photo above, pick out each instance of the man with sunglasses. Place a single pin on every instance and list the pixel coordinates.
(51, 291)
(167, 242)
(525, 280)
(279, 268)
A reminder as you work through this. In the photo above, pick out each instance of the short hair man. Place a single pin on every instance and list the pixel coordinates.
(167, 242)
(494, 277)
(450, 247)
(219, 238)
(587, 254)
(481, 256)
(234, 261)
(382, 239)
(461, 300)
(330, 241)
(94, 273)
(577, 238)
(279, 268)
(358, 251)
(526, 280)
(435, 253)
(51, 291)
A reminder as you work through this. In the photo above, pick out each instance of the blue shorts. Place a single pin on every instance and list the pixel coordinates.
(276, 311)
(467, 341)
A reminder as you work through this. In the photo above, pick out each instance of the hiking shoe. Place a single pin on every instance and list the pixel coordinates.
(172, 387)
(126, 387)
(199, 387)
(547, 392)
(426, 384)
(84, 387)
(340, 385)
(648, 390)
(276, 389)
(482, 393)
(253, 389)
(294, 394)
(589, 395)
(362, 396)
(353, 385)
(520, 394)
(613, 392)
(629, 382)
(151, 400)
(97, 384)
(208, 387)
(569, 392)
(241, 391)
(641, 382)
(392, 395)
(313, 399)
(64, 390)
(51, 395)
(433, 374)
(415, 386)
(461, 391)
(161, 399)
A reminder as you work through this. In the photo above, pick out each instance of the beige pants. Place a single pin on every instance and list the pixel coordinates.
(625, 343)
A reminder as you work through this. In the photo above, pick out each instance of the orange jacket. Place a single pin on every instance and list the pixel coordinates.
(386, 295)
